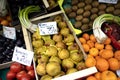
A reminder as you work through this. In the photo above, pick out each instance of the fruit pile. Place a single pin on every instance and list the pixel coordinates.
(102, 55)
(6, 21)
(20, 72)
(7, 46)
(58, 54)
(82, 13)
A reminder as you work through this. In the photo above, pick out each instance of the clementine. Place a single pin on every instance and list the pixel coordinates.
(108, 75)
(117, 54)
(86, 36)
(102, 64)
(91, 78)
(107, 53)
(82, 40)
(90, 43)
(113, 64)
(86, 47)
(90, 61)
(93, 51)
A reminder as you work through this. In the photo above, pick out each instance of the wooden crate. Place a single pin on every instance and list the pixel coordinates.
(28, 41)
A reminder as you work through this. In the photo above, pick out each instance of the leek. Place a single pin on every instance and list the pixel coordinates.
(24, 20)
(99, 34)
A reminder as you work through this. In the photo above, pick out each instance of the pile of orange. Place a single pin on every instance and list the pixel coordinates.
(101, 55)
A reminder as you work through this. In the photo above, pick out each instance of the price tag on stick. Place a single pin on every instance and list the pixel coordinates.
(48, 28)
(22, 56)
(109, 1)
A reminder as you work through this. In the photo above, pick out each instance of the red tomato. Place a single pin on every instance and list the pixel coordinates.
(20, 74)
(26, 77)
(10, 75)
(31, 73)
(16, 67)
(29, 67)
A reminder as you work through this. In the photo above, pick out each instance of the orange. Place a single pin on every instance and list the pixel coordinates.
(106, 53)
(98, 75)
(5, 22)
(99, 45)
(90, 61)
(108, 46)
(113, 64)
(108, 75)
(9, 18)
(97, 57)
(117, 54)
(90, 43)
(86, 47)
(93, 51)
(107, 41)
(91, 78)
(102, 64)
(92, 38)
(86, 36)
(118, 78)
(82, 40)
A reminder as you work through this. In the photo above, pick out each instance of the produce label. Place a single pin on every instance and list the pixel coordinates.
(48, 28)
(9, 32)
(22, 56)
(109, 1)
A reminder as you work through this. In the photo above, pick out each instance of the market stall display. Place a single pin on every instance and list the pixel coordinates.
(82, 13)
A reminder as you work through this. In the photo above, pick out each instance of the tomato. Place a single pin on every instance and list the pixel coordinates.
(20, 74)
(26, 77)
(10, 75)
(16, 67)
(29, 67)
(31, 73)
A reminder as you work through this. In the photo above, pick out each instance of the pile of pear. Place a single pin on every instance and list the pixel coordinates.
(57, 55)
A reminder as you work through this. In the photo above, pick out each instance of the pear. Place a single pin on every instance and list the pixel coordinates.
(60, 74)
(58, 18)
(80, 65)
(36, 35)
(46, 77)
(67, 63)
(49, 42)
(41, 50)
(73, 46)
(61, 45)
(37, 43)
(62, 25)
(63, 54)
(43, 58)
(40, 69)
(51, 51)
(55, 59)
(71, 70)
(69, 38)
(76, 56)
(65, 31)
(57, 37)
(53, 68)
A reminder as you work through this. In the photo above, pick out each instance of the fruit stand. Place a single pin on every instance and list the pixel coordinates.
(60, 40)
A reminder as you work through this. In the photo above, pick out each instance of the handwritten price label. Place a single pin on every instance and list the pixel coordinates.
(48, 28)
(9, 32)
(109, 1)
(22, 56)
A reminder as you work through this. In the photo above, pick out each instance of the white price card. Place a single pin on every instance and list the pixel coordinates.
(48, 28)
(109, 1)
(22, 56)
(9, 32)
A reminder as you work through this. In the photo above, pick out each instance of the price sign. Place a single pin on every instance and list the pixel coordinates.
(9, 32)
(22, 56)
(48, 28)
(109, 1)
